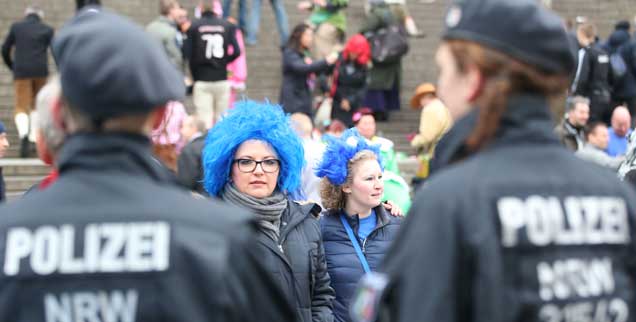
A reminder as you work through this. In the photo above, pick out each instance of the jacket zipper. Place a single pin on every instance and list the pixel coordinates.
(364, 244)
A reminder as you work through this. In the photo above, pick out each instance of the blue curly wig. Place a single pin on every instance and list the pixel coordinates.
(250, 120)
(339, 151)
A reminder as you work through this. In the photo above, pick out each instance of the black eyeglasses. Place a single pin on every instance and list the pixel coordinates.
(249, 165)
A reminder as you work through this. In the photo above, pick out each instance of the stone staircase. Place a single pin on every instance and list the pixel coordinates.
(264, 61)
(21, 174)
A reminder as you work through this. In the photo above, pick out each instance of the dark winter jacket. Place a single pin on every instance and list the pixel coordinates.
(297, 263)
(593, 80)
(351, 85)
(295, 94)
(206, 47)
(570, 136)
(31, 38)
(514, 233)
(131, 246)
(344, 266)
(628, 88)
(381, 76)
(189, 167)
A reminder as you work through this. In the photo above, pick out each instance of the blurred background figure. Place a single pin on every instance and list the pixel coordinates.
(593, 74)
(349, 85)
(329, 22)
(189, 167)
(435, 121)
(310, 184)
(299, 71)
(165, 30)
(570, 130)
(253, 26)
(619, 132)
(383, 95)
(208, 46)
(24, 51)
(242, 12)
(166, 136)
(597, 139)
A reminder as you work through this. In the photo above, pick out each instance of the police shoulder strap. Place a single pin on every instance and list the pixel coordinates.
(355, 243)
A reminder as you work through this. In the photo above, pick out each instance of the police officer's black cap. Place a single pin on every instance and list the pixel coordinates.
(522, 29)
(109, 66)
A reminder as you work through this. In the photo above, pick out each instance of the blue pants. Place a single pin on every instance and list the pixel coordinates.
(255, 20)
(242, 7)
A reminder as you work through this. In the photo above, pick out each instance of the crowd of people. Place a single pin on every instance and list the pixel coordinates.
(254, 211)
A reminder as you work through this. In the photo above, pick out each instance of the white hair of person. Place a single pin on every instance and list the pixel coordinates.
(34, 10)
(53, 135)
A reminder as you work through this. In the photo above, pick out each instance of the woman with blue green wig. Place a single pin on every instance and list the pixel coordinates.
(253, 159)
(357, 230)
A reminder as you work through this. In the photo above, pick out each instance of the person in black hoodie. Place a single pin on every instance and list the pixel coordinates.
(514, 226)
(31, 39)
(593, 75)
(206, 49)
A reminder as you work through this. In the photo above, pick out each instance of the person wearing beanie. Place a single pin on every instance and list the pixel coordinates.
(122, 241)
(513, 226)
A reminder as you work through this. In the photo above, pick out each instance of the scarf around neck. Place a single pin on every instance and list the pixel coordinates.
(268, 210)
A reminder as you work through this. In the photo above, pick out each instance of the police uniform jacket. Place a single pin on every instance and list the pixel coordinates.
(31, 38)
(344, 266)
(297, 263)
(112, 240)
(521, 231)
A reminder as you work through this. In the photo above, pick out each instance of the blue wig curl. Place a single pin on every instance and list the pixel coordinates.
(250, 120)
(339, 151)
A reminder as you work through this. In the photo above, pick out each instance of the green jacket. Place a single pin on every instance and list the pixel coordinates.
(333, 13)
(164, 30)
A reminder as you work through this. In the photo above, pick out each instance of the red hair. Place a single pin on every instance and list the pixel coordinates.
(358, 44)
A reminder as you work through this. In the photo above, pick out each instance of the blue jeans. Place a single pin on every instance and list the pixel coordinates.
(255, 20)
(227, 11)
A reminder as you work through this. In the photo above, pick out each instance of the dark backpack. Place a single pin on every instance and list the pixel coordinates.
(619, 67)
(388, 45)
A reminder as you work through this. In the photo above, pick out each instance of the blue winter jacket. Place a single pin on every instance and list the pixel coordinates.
(343, 264)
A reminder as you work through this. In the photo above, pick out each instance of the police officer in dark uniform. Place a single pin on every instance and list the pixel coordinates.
(515, 228)
(114, 239)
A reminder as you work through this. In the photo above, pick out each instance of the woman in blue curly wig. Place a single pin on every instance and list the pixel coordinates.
(356, 228)
(253, 159)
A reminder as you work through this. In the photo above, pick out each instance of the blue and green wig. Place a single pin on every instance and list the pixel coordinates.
(250, 120)
(339, 151)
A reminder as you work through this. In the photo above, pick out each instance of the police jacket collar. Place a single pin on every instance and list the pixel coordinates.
(527, 119)
(120, 152)
(33, 17)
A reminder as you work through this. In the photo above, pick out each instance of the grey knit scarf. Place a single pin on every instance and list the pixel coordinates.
(267, 210)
